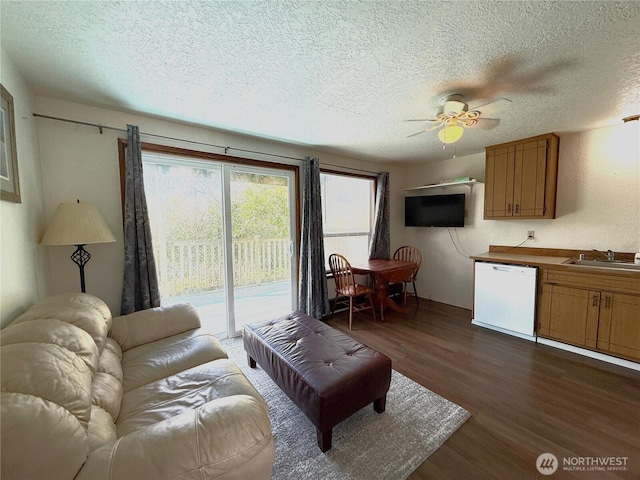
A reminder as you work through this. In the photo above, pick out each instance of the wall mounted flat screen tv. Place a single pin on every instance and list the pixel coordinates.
(434, 211)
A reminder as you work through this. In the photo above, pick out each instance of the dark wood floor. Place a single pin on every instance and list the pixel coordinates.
(525, 399)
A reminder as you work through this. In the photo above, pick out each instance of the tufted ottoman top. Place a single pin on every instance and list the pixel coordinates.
(323, 356)
(326, 373)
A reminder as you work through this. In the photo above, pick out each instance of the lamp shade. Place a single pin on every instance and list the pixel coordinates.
(450, 133)
(77, 224)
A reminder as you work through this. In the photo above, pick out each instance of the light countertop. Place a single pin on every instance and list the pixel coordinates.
(520, 259)
(550, 262)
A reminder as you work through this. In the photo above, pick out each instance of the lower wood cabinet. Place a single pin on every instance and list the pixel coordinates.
(619, 326)
(570, 315)
(599, 312)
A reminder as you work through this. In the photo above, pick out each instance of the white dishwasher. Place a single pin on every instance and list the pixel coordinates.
(505, 298)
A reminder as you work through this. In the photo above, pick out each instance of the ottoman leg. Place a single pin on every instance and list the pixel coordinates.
(251, 361)
(380, 404)
(324, 439)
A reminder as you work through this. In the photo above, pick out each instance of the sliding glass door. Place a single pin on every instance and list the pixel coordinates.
(224, 238)
(262, 242)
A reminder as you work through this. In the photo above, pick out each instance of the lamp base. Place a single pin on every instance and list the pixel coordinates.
(80, 257)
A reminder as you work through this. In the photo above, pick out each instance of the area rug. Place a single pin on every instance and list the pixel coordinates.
(367, 445)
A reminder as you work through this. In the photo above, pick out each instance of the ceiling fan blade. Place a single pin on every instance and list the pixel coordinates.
(485, 123)
(422, 120)
(493, 100)
(414, 134)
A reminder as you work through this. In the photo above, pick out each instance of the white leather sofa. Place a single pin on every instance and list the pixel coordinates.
(142, 396)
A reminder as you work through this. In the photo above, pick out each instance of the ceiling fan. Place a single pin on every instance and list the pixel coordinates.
(453, 116)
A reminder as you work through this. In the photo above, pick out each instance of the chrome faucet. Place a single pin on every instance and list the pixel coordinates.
(610, 255)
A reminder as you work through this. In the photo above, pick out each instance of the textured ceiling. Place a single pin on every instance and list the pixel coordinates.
(341, 76)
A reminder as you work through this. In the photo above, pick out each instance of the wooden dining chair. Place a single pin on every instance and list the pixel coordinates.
(347, 287)
(407, 253)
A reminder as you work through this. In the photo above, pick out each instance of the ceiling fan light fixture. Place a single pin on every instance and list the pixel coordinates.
(450, 133)
(453, 104)
(454, 107)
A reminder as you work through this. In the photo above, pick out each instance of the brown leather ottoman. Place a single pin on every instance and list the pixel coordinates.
(326, 373)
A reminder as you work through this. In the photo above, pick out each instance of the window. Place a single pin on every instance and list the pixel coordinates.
(347, 214)
(224, 231)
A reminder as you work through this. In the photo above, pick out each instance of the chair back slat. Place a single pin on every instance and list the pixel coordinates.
(407, 253)
(342, 273)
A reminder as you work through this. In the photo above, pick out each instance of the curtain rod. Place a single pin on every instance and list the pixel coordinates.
(101, 127)
(349, 168)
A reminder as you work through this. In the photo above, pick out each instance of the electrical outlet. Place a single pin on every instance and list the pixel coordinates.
(530, 234)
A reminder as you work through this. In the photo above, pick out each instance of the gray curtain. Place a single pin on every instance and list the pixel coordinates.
(380, 246)
(140, 286)
(313, 294)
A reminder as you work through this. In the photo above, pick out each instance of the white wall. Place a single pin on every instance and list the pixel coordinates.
(80, 163)
(23, 263)
(598, 199)
(598, 206)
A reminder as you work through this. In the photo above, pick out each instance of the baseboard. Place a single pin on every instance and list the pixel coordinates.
(445, 307)
(564, 346)
(590, 353)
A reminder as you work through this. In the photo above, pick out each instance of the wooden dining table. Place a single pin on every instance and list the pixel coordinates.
(384, 272)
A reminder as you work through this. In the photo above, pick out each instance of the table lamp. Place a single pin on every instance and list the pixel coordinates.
(77, 224)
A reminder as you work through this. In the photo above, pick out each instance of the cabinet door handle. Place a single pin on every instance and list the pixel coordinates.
(606, 301)
(517, 207)
(595, 301)
(509, 208)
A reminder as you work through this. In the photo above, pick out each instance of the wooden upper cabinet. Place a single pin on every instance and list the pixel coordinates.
(521, 178)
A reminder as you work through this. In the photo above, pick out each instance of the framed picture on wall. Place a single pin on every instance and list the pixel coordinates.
(9, 182)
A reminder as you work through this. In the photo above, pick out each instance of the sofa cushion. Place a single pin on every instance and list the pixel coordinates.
(102, 429)
(227, 438)
(40, 439)
(73, 299)
(186, 390)
(54, 332)
(153, 324)
(111, 345)
(107, 394)
(86, 318)
(163, 358)
(46, 405)
(111, 364)
(51, 373)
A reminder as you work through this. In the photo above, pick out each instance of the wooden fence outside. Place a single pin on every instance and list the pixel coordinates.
(190, 267)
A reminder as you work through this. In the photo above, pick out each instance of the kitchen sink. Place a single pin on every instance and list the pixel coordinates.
(603, 263)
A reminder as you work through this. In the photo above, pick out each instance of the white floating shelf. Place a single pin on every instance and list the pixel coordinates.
(469, 183)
